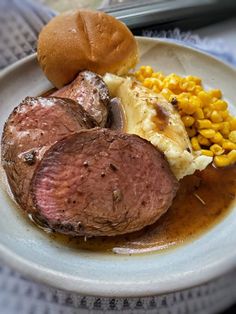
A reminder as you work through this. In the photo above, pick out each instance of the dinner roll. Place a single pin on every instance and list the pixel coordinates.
(85, 40)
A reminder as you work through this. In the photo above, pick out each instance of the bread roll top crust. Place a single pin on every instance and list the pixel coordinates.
(85, 40)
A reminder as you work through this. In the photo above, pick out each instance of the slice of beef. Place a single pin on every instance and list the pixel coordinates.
(102, 182)
(30, 129)
(90, 91)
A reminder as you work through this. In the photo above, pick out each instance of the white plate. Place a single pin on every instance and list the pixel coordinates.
(30, 251)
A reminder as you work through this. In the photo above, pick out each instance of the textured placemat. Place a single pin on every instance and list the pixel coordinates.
(20, 22)
(19, 295)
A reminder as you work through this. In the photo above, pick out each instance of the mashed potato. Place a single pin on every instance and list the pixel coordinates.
(150, 116)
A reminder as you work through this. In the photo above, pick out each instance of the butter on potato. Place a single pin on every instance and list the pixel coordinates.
(150, 116)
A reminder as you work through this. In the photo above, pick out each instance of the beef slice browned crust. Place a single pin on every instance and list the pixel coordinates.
(29, 131)
(90, 91)
(101, 182)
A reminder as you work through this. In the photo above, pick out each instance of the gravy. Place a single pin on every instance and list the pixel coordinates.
(202, 201)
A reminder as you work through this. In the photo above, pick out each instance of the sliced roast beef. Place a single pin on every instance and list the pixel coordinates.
(101, 182)
(30, 129)
(90, 91)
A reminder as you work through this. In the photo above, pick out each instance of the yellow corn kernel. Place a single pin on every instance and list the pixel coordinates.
(203, 140)
(184, 95)
(156, 82)
(187, 85)
(191, 132)
(232, 124)
(171, 81)
(161, 76)
(208, 133)
(160, 84)
(196, 100)
(232, 156)
(220, 105)
(216, 126)
(197, 89)
(156, 89)
(198, 114)
(183, 85)
(172, 84)
(158, 75)
(166, 93)
(232, 136)
(139, 77)
(225, 128)
(207, 111)
(190, 108)
(214, 99)
(173, 76)
(217, 138)
(205, 97)
(204, 124)
(188, 121)
(148, 82)
(228, 145)
(188, 78)
(217, 149)
(190, 86)
(215, 93)
(228, 119)
(155, 75)
(207, 152)
(224, 114)
(195, 79)
(195, 144)
(216, 117)
(183, 102)
(142, 68)
(151, 81)
(222, 161)
(146, 71)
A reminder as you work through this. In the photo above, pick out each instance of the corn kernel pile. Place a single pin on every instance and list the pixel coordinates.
(211, 128)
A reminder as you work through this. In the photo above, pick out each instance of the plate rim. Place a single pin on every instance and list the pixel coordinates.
(99, 288)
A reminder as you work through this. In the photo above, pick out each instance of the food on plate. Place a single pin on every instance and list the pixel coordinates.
(102, 182)
(83, 164)
(90, 91)
(30, 129)
(85, 40)
(210, 126)
(150, 116)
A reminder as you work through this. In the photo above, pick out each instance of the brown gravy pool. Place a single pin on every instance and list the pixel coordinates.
(202, 200)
